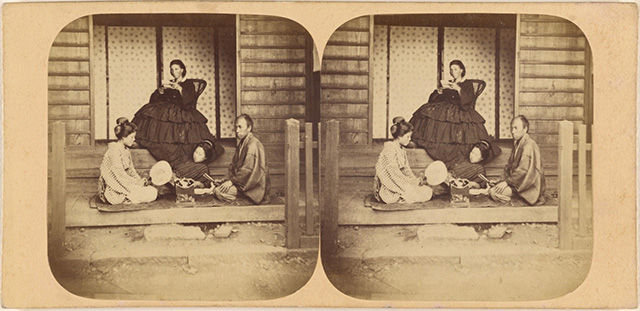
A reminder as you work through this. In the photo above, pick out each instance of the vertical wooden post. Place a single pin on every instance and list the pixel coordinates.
(58, 191)
(238, 67)
(92, 87)
(583, 207)
(516, 86)
(565, 187)
(320, 160)
(292, 181)
(329, 227)
(308, 175)
(371, 61)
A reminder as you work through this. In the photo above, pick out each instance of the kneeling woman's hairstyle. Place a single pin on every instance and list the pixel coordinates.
(400, 127)
(124, 128)
(485, 150)
(209, 150)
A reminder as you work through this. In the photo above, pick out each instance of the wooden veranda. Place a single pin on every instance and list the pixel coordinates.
(80, 166)
(343, 162)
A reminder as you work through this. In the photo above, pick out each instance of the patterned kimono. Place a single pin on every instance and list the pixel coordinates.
(248, 172)
(524, 173)
(394, 181)
(119, 182)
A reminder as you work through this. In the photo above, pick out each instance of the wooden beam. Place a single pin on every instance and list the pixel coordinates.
(216, 80)
(565, 188)
(94, 218)
(583, 207)
(497, 85)
(516, 87)
(292, 181)
(329, 222)
(239, 62)
(367, 216)
(370, 82)
(92, 86)
(308, 175)
(588, 88)
(58, 191)
(320, 162)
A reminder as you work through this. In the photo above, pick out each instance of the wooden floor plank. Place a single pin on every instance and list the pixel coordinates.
(94, 218)
(367, 216)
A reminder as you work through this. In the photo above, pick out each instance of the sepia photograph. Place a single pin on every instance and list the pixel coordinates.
(175, 162)
(319, 154)
(460, 155)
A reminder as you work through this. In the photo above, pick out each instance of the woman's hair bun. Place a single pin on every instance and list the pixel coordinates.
(122, 120)
(398, 120)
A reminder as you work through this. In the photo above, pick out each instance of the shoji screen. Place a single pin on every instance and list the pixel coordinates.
(99, 68)
(195, 47)
(507, 79)
(476, 48)
(132, 70)
(413, 63)
(380, 91)
(412, 66)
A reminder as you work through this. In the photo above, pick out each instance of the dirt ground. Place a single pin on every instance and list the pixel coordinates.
(263, 270)
(392, 263)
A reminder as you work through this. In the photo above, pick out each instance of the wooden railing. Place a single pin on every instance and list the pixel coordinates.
(566, 146)
(329, 206)
(57, 213)
(294, 236)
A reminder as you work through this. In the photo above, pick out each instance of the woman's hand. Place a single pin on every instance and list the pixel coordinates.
(175, 86)
(455, 86)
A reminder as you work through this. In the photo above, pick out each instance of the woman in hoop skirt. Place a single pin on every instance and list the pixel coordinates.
(169, 126)
(448, 125)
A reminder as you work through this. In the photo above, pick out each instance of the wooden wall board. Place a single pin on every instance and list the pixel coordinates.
(272, 41)
(551, 71)
(552, 43)
(69, 68)
(552, 57)
(68, 97)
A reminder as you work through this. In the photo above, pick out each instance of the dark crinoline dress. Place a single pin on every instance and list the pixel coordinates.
(448, 125)
(169, 126)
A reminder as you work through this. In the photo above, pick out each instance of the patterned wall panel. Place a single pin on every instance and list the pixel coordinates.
(227, 48)
(195, 47)
(507, 79)
(99, 70)
(380, 82)
(475, 47)
(132, 70)
(412, 68)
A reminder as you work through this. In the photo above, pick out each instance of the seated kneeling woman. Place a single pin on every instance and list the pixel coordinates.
(119, 182)
(472, 168)
(394, 180)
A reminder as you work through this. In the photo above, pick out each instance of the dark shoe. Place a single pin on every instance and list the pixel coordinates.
(265, 200)
(541, 201)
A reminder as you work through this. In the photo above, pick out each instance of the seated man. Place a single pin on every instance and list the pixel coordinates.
(248, 172)
(523, 174)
